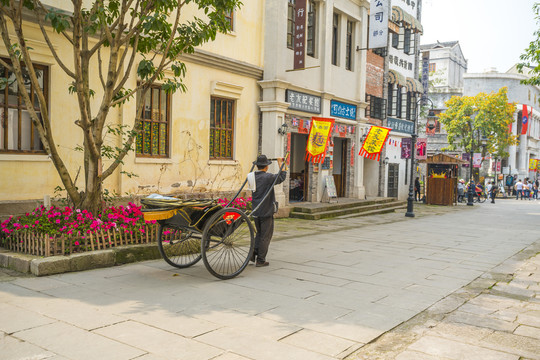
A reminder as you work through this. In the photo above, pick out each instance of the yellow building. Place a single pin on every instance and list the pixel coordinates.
(201, 141)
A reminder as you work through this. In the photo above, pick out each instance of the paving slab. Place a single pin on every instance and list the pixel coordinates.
(332, 288)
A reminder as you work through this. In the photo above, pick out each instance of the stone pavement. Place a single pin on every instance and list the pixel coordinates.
(332, 287)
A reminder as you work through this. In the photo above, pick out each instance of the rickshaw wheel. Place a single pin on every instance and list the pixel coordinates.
(177, 247)
(227, 243)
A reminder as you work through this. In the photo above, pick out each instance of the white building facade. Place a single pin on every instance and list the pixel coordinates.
(330, 84)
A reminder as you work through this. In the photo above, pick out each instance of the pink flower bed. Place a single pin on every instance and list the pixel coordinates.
(76, 223)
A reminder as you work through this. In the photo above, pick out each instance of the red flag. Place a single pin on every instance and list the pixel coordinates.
(524, 120)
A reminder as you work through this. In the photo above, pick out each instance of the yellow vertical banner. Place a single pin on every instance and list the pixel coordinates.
(374, 143)
(320, 129)
(533, 164)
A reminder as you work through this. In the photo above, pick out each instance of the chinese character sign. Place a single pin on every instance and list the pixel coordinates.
(378, 24)
(321, 128)
(342, 110)
(374, 143)
(299, 43)
(406, 146)
(425, 72)
(421, 148)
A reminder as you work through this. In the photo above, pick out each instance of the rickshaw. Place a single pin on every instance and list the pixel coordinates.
(191, 230)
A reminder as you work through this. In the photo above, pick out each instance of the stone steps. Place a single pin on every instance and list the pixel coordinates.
(345, 210)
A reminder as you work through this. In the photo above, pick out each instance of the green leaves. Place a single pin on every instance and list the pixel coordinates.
(531, 57)
(59, 21)
(469, 119)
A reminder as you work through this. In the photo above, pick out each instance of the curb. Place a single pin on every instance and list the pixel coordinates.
(40, 266)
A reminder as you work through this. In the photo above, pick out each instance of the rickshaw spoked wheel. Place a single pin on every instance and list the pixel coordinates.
(227, 243)
(178, 247)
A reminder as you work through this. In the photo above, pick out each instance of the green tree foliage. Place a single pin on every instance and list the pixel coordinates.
(468, 119)
(531, 57)
(124, 38)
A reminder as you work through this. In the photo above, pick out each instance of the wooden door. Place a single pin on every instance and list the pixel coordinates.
(393, 180)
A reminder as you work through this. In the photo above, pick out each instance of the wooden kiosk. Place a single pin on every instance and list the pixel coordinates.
(441, 176)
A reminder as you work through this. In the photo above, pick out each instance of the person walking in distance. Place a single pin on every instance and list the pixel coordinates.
(519, 189)
(417, 189)
(264, 215)
(493, 192)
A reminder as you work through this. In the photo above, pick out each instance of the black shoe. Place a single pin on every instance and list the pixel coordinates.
(262, 263)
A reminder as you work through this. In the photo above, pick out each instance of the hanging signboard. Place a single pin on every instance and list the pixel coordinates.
(533, 164)
(299, 34)
(425, 72)
(374, 143)
(318, 139)
(421, 148)
(378, 24)
(477, 160)
(406, 146)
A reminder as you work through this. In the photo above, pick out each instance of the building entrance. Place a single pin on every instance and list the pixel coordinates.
(393, 180)
(299, 179)
(340, 166)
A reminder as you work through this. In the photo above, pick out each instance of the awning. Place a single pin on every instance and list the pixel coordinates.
(395, 77)
(414, 85)
(408, 21)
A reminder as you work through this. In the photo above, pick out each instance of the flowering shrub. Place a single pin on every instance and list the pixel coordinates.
(241, 203)
(76, 223)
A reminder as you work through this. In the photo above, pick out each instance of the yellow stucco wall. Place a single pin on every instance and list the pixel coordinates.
(188, 169)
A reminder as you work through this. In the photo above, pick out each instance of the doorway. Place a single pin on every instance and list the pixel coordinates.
(298, 180)
(340, 166)
(393, 180)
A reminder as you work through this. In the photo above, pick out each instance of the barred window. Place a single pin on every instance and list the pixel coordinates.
(230, 16)
(221, 128)
(153, 139)
(291, 9)
(377, 107)
(17, 132)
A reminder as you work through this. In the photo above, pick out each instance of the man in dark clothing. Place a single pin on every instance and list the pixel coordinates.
(264, 215)
(417, 189)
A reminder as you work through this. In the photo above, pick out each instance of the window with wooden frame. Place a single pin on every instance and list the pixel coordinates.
(153, 139)
(291, 10)
(349, 46)
(399, 101)
(17, 132)
(230, 16)
(311, 29)
(221, 128)
(432, 67)
(395, 40)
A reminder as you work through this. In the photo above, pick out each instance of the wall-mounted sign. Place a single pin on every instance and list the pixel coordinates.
(342, 110)
(303, 102)
(404, 126)
(299, 34)
(425, 72)
(378, 24)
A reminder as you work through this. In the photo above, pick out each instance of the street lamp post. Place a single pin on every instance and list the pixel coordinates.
(410, 199)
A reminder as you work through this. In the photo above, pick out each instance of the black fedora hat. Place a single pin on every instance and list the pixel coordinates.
(262, 160)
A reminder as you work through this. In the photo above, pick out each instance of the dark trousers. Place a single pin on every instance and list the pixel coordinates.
(265, 230)
(417, 194)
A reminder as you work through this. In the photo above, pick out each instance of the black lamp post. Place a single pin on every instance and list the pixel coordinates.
(410, 199)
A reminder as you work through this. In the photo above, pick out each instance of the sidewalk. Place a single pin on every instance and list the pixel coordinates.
(332, 289)
(497, 316)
